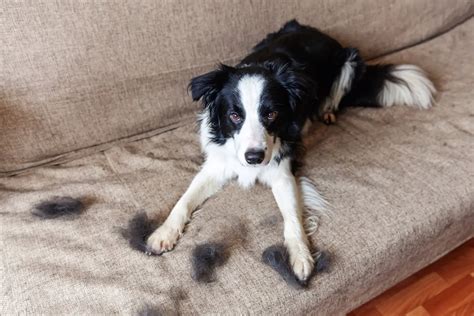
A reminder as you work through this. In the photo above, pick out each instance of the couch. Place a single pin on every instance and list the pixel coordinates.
(93, 105)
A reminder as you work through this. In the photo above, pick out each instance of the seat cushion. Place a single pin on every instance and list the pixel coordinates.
(79, 74)
(400, 183)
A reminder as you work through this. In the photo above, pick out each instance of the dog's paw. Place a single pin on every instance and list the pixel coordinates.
(163, 239)
(329, 118)
(301, 262)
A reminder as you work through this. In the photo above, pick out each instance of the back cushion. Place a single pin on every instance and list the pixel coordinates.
(79, 74)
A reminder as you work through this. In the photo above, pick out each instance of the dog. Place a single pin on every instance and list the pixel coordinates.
(255, 115)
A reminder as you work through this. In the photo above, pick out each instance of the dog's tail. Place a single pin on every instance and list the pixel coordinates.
(388, 85)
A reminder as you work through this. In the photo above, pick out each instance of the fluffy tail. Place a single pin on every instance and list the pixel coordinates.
(388, 85)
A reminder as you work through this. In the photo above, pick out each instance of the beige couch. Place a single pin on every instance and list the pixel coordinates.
(93, 104)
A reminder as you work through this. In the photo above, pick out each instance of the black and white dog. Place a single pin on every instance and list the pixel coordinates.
(255, 115)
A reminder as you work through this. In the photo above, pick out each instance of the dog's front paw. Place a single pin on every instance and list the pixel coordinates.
(301, 261)
(163, 239)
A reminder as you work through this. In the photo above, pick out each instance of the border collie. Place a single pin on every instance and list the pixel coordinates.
(255, 114)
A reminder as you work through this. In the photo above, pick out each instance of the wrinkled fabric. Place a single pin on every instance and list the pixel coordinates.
(400, 183)
(77, 74)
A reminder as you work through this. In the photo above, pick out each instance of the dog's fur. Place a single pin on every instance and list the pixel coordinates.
(64, 207)
(255, 115)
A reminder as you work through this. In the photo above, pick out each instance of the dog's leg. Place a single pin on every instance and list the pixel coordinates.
(207, 182)
(287, 196)
(352, 65)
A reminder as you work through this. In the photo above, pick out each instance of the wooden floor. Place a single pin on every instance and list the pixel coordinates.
(444, 288)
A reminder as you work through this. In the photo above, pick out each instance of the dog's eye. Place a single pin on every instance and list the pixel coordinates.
(272, 116)
(235, 118)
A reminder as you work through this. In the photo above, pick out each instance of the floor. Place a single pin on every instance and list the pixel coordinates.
(444, 288)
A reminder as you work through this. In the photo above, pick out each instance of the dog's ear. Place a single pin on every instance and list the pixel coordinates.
(301, 89)
(301, 93)
(207, 86)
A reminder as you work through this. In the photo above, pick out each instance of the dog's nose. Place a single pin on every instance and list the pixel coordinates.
(254, 156)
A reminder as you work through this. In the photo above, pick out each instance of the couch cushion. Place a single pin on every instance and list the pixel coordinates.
(400, 182)
(78, 75)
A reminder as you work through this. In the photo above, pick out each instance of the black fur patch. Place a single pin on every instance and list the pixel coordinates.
(149, 310)
(205, 258)
(137, 232)
(366, 89)
(59, 206)
(323, 261)
(278, 259)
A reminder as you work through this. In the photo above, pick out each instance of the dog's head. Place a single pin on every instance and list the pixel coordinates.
(256, 106)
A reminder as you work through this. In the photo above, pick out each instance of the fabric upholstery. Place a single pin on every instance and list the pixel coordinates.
(400, 183)
(78, 74)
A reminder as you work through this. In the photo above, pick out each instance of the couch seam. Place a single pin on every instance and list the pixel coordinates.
(427, 39)
(62, 158)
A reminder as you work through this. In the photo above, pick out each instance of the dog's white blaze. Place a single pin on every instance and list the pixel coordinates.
(250, 91)
(413, 89)
(253, 134)
(341, 85)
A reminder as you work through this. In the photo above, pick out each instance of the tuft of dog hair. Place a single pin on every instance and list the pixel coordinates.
(278, 259)
(59, 206)
(149, 310)
(230, 232)
(323, 261)
(137, 231)
(205, 258)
